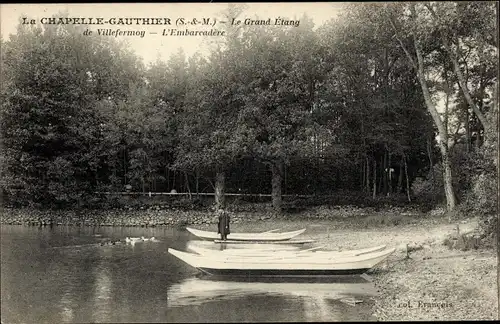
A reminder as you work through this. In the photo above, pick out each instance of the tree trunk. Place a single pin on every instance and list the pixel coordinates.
(374, 178)
(465, 90)
(386, 109)
(407, 179)
(167, 177)
(284, 178)
(277, 174)
(385, 173)
(367, 175)
(429, 155)
(448, 181)
(363, 175)
(197, 181)
(400, 177)
(467, 131)
(381, 177)
(389, 181)
(447, 101)
(220, 187)
(316, 174)
(443, 141)
(187, 184)
(125, 165)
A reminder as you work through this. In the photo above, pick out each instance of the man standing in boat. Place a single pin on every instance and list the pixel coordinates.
(223, 224)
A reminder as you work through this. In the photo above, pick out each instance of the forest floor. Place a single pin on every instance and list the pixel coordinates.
(435, 283)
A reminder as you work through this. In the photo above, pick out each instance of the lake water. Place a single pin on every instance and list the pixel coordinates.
(62, 274)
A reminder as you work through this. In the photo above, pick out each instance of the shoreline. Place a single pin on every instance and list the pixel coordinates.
(146, 217)
(152, 216)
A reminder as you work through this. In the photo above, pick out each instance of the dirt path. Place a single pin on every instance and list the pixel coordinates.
(436, 283)
(335, 235)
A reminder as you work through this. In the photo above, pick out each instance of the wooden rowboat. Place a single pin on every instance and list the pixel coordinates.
(263, 243)
(264, 266)
(282, 254)
(265, 236)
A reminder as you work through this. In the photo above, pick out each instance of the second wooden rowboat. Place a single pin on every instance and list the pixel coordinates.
(266, 236)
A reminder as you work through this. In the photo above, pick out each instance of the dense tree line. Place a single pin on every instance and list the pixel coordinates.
(347, 106)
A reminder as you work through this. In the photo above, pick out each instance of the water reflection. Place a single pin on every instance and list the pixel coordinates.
(103, 285)
(67, 306)
(317, 308)
(195, 291)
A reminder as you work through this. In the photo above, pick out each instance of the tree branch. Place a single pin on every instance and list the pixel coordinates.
(410, 58)
(427, 97)
(461, 78)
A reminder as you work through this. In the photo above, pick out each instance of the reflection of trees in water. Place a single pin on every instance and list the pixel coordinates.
(196, 291)
(66, 305)
(310, 301)
(73, 280)
(320, 308)
(103, 288)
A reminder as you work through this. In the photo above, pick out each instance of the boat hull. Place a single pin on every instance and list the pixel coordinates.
(282, 242)
(281, 272)
(266, 236)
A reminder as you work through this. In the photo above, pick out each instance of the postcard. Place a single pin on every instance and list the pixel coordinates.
(249, 162)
